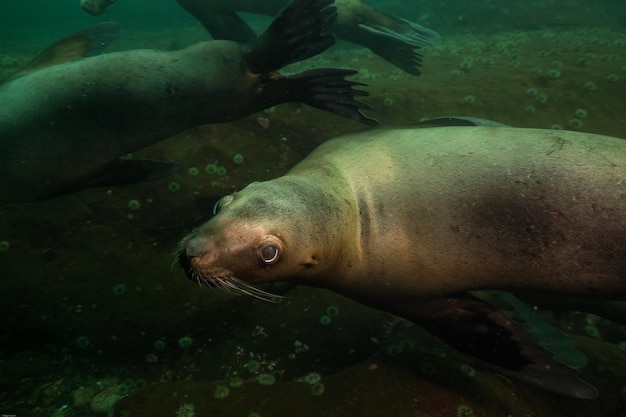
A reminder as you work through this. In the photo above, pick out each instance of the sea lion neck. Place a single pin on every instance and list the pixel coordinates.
(327, 222)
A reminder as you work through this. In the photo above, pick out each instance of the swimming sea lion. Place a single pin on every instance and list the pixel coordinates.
(410, 220)
(395, 39)
(64, 127)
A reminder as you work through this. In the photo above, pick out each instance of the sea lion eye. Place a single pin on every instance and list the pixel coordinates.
(269, 253)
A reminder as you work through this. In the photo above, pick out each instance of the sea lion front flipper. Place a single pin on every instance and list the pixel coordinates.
(399, 45)
(278, 287)
(475, 327)
(83, 43)
(462, 121)
(130, 171)
(298, 32)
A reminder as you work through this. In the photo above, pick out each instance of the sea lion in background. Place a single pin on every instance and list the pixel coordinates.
(392, 38)
(64, 127)
(86, 42)
(410, 220)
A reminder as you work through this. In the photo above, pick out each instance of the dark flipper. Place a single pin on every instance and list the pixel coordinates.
(278, 287)
(223, 25)
(560, 346)
(611, 310)
(297, 33)
(475, 327)
(300, 31)
(130, 171)
(322, 88)
(399, 45)
(86, 42)
(462, 121)
(120, 172)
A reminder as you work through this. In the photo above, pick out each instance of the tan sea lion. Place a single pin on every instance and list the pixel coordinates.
(410, 220)
(64, 127)
(395, 39)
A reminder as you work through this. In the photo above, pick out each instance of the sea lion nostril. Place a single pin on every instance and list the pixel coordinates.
(185, 263)
(194, 247)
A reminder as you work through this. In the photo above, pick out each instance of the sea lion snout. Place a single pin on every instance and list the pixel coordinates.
(200, 248)
(204, 263)
(197, 258)
(193, 250)
(195, 246)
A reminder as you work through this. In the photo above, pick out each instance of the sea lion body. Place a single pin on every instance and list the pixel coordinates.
(350, 13)
(63, 127)
(407, 220)
(395, 39)
(394, 214)
(114, 104)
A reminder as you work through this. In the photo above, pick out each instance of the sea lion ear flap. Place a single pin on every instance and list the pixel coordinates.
(475, 327)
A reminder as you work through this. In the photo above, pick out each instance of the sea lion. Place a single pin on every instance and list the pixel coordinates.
(64, 127)
(392, 38)
(410, 220)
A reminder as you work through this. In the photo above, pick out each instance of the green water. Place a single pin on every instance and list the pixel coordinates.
(93, 303)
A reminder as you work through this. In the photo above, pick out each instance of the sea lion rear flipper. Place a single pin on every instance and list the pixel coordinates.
(608, 309)
(398, 45)
(475, 327)
(83, 43)
(129, 171)
(298, 32)
(559, 345)
(325, 89)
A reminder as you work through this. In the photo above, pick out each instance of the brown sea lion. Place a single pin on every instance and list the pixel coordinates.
(395, 39)
(64, 127)
(410, 220)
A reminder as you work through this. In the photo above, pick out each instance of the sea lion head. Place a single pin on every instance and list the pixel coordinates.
(95, 7)
(266, 232)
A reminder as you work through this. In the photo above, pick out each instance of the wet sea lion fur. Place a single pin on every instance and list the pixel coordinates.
(64, 127)
(410, 221)
(393, 38)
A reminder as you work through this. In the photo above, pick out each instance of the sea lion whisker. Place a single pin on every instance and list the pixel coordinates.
(239, 287)
(197, 279)
(220, 281)
(175, 261)
(203, 281)
(255, 292)
(233, 286)
(226, 285)
(177, 252)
